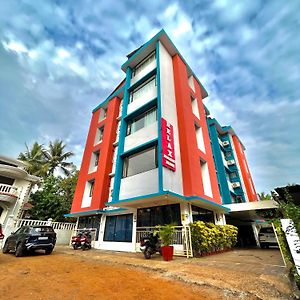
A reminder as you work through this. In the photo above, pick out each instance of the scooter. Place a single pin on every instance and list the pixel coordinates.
(86, 240)
(76, 240)
(150, 245)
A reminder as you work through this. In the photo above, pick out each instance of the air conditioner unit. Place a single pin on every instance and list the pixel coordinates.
(236, 184)
(225, 143)
(230, 162)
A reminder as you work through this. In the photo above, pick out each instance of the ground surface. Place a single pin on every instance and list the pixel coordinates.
(68, 274)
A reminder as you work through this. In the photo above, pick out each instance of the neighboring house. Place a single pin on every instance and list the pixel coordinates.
(15, 188)
(148, 158)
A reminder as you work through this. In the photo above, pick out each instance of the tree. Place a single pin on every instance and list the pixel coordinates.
(54, 199)
(34, 158)
(264, 196)
(56, 157)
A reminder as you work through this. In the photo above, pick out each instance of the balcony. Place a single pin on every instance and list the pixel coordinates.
(8, 193)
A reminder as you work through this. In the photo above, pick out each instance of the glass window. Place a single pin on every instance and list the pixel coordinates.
(143, 120)
(143, 64)
(118, 228)
(159, 215)
(201, 214)
(101, 129)
(91, 184)
(143, 89)
(97, 154)
(140, 162)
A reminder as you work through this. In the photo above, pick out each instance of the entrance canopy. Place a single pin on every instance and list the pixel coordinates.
(247, 211)
(168, 197)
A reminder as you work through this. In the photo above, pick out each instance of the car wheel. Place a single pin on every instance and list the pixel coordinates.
(48, 251)
(19, 250)
(5, 248)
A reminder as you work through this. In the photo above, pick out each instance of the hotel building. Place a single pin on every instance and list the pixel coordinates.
(151, 155)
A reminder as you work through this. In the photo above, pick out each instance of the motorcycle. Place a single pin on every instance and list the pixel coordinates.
(82, 240)
(150, 245)
(86, 241)
(76, 241)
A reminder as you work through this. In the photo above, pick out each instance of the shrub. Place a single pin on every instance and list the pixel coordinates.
(208, 237)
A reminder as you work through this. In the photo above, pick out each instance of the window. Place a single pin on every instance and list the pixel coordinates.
(159, 215)
(118, 228)
(200, 139)
(143, 64)
(143, 120)
(143, 89)
(103, 113)
(195, 107)
(97, 154)
(205, 178)
(201, 214)
(140, 162)
(99, 135)
(91, 187)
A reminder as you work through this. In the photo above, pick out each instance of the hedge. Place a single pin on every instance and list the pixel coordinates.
(208, 237)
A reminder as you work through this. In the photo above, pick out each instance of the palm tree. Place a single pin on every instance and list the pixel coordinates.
(34, 159)
(56, 158)
(263, 196)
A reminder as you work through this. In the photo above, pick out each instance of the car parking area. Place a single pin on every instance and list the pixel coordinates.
(76, 274)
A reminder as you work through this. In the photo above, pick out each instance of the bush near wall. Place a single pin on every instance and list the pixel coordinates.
(209, 238)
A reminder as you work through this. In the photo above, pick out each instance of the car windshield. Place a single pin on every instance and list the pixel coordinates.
(41, 229)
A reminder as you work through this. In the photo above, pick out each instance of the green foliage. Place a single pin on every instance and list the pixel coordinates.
(43, 162)
(264, 196)
(34, 158)
(56, 157)
(208, 237)
(54, 199)
(166, 233)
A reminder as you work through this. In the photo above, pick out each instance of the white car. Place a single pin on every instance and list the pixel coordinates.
(267, 237)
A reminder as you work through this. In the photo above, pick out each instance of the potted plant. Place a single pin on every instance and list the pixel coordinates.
(166, 233)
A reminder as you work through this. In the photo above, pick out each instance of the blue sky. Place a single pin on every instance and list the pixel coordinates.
(59, 59)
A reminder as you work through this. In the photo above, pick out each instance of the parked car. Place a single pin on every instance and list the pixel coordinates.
(1, 233)
(30, 238)
(267, 237)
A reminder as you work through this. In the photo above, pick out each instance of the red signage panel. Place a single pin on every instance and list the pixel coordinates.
(168, 150)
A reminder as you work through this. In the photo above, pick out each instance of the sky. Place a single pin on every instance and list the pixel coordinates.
(60, 59)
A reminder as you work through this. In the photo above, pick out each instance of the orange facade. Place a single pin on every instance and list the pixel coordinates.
(106, 148)
(248, 182)
(191, 155)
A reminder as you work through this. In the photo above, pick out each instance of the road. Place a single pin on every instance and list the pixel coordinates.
(68, 274)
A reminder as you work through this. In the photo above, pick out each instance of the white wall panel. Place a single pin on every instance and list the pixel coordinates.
(140, 137)
(171, 180)
(139, 184)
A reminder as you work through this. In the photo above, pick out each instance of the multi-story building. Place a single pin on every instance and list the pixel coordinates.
(234, 177)
(148, 158)
(15, 188)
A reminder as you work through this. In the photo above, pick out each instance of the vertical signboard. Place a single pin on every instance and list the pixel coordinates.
(293, 240)
(168, 151)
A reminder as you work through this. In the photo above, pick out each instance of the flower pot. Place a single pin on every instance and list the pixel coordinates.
(167, 252)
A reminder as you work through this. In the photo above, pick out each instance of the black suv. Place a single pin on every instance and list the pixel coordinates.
(30, 238)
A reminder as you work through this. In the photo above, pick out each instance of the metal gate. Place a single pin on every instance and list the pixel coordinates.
(182, 241)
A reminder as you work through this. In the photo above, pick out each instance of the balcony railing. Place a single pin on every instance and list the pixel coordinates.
(8, 190)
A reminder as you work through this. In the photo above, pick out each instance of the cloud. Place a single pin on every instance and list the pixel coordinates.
(59, 59)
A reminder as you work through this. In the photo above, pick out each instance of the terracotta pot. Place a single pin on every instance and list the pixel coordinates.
(167, 252)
